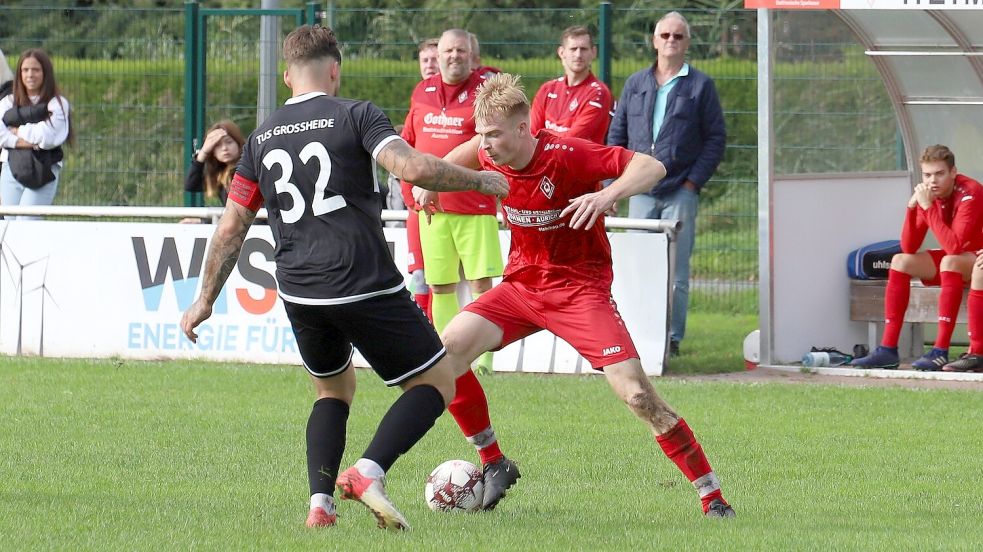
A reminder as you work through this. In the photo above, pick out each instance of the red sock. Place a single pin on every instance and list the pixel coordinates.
(681, 447)
(895, 304)
(470, 411)
(423, 299)
(974, 307)
(949, 300)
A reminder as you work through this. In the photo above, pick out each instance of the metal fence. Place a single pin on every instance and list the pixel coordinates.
(124, 71)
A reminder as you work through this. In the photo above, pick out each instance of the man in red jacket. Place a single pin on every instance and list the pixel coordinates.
(951, 206)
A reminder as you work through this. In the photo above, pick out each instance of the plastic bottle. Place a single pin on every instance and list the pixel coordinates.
(817, 359)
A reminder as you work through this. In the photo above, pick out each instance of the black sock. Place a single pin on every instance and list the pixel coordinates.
(408, 420)
(325, 443)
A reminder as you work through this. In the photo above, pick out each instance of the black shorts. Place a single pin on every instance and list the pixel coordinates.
(390, 331)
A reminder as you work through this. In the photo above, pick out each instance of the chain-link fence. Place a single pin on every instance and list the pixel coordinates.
(124, 73)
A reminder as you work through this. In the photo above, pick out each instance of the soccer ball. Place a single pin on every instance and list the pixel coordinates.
(454, 486)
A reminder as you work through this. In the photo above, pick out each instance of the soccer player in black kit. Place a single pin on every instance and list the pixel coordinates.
(312, 165)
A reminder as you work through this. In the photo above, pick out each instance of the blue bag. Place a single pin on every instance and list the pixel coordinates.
(871, 262)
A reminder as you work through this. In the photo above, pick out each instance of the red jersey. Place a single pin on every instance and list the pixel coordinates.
(441, 117)
(956, 221)
(581, 111)
(545, 251)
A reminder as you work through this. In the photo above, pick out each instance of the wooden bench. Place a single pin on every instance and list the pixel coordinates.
(867, 305)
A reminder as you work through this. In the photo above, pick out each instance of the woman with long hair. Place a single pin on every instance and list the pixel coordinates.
(34, 138)
(215, 163)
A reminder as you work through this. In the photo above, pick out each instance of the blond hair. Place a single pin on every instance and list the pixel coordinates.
(501, 95)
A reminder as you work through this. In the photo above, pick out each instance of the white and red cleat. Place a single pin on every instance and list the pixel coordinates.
(319, 517)
(372, 493)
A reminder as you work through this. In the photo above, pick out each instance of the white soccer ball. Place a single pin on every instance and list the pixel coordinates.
(454, 486)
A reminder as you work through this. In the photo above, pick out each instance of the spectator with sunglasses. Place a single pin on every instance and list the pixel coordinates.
(672, 112)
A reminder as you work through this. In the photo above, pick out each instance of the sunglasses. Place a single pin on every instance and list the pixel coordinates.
(677, 36)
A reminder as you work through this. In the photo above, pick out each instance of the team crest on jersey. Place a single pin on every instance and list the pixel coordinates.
(573, 104)
(547, 187)
(462, 97)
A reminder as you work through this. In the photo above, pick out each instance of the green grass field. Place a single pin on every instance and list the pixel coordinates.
(122, 455)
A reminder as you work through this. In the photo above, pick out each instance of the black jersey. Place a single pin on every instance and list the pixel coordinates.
(313, 161)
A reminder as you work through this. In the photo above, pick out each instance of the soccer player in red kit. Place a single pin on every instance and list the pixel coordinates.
(576, 104)
(951, 206)
(559, 272)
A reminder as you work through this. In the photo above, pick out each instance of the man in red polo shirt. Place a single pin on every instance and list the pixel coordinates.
(576, 104)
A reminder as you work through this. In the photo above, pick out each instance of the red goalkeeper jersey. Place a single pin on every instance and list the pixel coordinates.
(581, 111)
(440, 119)
(956, 221)
(545, 251)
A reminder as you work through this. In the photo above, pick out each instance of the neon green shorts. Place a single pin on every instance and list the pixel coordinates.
(452, 240)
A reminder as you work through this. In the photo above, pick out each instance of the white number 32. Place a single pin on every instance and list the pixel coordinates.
(319, 203)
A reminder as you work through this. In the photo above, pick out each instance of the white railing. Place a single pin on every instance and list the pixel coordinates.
(214, 213)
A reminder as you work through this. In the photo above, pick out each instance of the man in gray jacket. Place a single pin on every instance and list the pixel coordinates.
(672, 112)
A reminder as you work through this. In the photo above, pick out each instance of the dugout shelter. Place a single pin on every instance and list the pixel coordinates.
(929, 55)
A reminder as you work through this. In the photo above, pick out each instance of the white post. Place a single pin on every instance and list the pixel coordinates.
(269, 34)
(765, 173)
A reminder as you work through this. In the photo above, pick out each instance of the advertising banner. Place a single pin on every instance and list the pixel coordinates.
(112, 289)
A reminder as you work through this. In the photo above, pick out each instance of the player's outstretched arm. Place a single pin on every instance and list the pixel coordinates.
(641, 174)
(223, 253)
(428, 171)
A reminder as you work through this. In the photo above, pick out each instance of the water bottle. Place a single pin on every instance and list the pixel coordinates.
(816, 359)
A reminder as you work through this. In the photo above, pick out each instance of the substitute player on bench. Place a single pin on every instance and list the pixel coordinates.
(951, 206)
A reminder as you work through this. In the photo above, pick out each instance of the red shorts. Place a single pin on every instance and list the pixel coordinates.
(937, 255)
(586, 318)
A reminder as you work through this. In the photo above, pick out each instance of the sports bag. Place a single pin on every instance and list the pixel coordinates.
(871, 262)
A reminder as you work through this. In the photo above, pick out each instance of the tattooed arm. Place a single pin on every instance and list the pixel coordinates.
(427, 171)
(223, 253)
